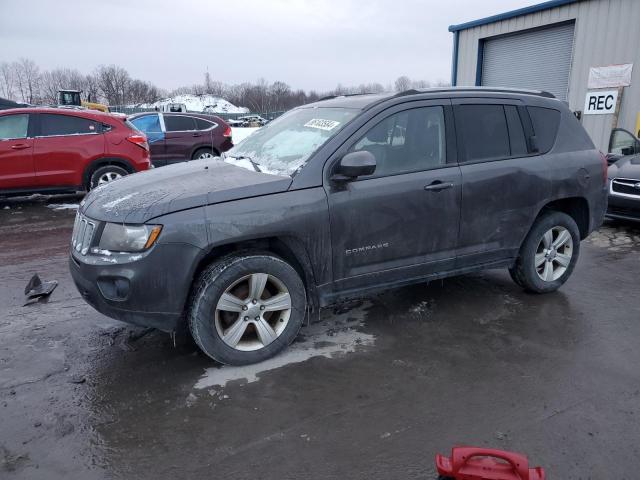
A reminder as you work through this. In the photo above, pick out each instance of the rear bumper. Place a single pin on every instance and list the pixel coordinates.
(150, 291)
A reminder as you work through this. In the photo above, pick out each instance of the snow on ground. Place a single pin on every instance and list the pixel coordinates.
(335, 336)
(199, 103)
(240, 133)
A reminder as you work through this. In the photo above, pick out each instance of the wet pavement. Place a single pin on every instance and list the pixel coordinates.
(372, 391)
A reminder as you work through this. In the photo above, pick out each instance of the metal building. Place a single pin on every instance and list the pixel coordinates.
(582, 51)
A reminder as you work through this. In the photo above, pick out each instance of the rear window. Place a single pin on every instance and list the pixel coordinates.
(484, 130)
(52, 124)
(545, 126)
(179, 123)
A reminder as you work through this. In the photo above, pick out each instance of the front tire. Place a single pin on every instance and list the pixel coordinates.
(106, 174)
(246, 308)
(549, 253)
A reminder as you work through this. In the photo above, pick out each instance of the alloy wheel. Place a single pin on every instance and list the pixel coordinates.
(554, 253)
(108, 177)
(206, 155)
(253, 312)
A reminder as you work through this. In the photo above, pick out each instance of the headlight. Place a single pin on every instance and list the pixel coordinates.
(117, 237)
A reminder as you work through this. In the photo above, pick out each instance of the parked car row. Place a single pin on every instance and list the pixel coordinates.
(59, 150)
(248, 121)
(55, 150)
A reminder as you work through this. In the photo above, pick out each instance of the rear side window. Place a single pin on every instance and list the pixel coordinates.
(52, 124)
(484, 131)
(179, 123)
(545, 126)
(202, 124)
(14, 126)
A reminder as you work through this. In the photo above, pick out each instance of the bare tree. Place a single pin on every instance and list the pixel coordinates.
(114, 83)
(27, 79)
(7, 80)
(402, 83)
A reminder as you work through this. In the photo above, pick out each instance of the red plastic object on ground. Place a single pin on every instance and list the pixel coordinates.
(471, 463)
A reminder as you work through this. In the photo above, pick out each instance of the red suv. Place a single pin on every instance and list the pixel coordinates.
(58, 150)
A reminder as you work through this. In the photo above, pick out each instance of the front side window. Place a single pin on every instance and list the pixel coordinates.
(284, 145)
(623, 142)
(150, 126)
(407, 141)
(14, 126)
(484, 130)
(55, 125)
(179, 123)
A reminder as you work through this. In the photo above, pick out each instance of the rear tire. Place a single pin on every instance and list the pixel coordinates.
(246, 308)
(106, 174)
(204, 153)
(549, 253)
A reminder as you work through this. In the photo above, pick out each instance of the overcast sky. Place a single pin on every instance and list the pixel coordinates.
(307, 44)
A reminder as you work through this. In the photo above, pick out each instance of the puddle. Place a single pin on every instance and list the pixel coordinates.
(334, 336)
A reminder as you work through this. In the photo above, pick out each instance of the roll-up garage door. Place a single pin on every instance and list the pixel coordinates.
(537, 59)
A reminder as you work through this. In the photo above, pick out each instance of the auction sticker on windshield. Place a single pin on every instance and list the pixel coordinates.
(322, 124)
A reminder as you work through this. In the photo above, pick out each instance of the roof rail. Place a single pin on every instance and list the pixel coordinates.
(413, 91)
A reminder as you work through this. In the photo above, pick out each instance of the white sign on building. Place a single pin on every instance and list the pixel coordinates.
(610, 76)
(600, 102)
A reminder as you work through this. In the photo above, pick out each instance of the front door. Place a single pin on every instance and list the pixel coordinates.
(16, 153)
(402, 222)
(180, 137)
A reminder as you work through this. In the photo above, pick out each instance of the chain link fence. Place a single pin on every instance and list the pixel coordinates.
(127, 110)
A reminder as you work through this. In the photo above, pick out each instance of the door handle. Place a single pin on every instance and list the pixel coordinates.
(19, 146)
(438, 185)
(195, 134)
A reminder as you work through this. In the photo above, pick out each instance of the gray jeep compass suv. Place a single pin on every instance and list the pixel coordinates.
(339, 198)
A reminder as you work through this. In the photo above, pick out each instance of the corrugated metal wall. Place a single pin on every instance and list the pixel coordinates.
(606, 32)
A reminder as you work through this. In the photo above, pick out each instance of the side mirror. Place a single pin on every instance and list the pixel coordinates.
(354, 164)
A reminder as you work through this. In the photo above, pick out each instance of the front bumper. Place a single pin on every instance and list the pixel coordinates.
(149, 290)
(623, 208)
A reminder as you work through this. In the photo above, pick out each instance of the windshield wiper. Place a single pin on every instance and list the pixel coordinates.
(255, 165)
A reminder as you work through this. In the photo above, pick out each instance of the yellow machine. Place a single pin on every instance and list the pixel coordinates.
(71, 98)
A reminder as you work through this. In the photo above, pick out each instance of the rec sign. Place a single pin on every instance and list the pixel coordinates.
(600, 102)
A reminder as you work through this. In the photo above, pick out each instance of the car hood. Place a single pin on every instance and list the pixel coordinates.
(140, 197)
(626, 167)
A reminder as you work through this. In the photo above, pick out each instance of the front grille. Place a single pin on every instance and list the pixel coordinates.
(626, 187)
(83, 230)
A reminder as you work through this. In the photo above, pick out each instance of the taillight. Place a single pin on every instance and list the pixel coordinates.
(605, 168)
(139, 140)
(227, 132)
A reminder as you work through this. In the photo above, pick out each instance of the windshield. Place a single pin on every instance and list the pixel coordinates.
(284, 145)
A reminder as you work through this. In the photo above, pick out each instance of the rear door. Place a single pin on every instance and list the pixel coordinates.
(16, 152)
(64, 145)
(503, 183)
(401, 222)
(151, 126)
(180, 137)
